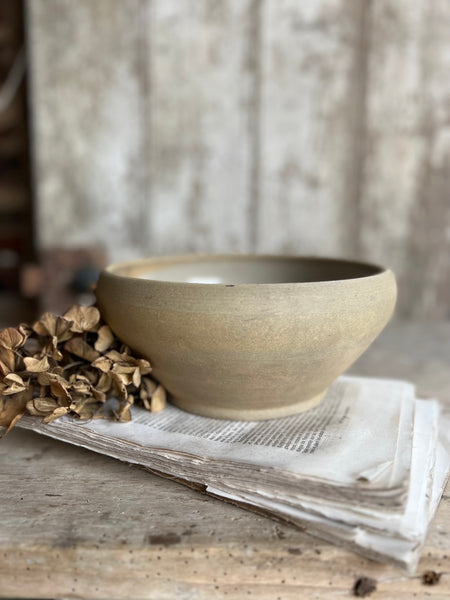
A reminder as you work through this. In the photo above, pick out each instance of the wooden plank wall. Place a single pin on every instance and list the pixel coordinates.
(317, 127)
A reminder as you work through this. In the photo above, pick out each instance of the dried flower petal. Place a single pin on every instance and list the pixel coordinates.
(12, 338)
(98, 395)
(85, 318)
(123, 414)
(13, 408)
(43, 378)
(84, 409)
(148, 387)
(12, 384)
(143, 365)
(41, 406)
(120, 385)
(123, 367)
(136, 380)
(56, 414)
(103, 364)
(152, 395)
(58, 386)
(134, 367)
(158, 399)
(104, 383)
(105, 339)
(45, 405)
(36, 365)
(13, 422)
(81, 348)
(7, 360)
(52, 325)
(116, 356)
(81, 387)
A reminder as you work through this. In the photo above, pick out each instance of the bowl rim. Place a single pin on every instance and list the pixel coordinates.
(166, 259)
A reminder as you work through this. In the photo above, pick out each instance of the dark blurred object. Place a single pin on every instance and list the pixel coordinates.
(65, 276)
(16, 205)
(84, 279)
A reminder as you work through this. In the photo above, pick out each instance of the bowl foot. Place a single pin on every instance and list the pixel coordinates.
(241, 414)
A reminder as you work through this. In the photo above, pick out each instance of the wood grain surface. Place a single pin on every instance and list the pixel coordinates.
(79, 525)
(248, 125)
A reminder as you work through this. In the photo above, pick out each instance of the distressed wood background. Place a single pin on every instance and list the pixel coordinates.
(318, 127)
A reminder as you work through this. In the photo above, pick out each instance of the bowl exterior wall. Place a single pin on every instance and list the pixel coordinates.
(247, 351)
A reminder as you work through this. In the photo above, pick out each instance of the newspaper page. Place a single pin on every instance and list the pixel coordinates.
(425, 437)
(395, 538)
(358, 441)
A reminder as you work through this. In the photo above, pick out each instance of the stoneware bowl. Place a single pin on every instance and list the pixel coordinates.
(246, 337)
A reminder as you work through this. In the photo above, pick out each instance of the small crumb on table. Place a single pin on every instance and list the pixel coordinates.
(364, 586)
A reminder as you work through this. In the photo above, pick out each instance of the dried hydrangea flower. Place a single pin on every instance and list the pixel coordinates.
(71, 365)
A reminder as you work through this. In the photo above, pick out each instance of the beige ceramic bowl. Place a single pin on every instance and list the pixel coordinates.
(247, 337)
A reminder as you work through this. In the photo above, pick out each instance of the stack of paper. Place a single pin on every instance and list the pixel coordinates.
(365, 469)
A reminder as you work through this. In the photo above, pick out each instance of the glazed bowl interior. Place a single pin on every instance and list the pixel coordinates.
(238, 270)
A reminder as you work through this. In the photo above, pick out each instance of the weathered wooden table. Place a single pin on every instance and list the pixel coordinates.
(74, 524)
